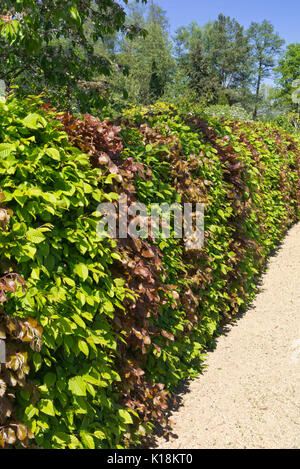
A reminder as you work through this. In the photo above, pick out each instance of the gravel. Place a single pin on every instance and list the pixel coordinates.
(249, 394)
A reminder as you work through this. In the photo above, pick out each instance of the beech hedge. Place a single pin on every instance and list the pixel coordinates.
(100, 331)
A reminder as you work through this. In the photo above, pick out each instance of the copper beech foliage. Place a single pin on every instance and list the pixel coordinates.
(143, 266)
(18, 334)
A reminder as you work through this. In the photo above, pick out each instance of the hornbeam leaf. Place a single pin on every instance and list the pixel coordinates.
(53, 153)
(34, 121)
(77, 386)
(35, 236)
(82, 271)
(46, 406)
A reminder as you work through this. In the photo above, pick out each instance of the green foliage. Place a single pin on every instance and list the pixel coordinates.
(229, 50)
(266, 44)
(229, 112)
(290, 122)
(53, 194)
(288, 71)
(124, 321)
(250, 200)
(100, 56)
(52, 47)
(203, 80)
(148, 62)
(227, 64)
(216, 58)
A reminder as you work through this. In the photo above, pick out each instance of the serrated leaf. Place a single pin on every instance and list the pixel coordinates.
(35, 236)
(125, 416)
(34, 121)
(87, 440)
(46, 406)
(83, 347)
(6, 149)
(77, 386)
(82, 271)
(53, 153)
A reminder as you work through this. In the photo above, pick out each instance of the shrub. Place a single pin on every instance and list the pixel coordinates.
(52, 193)
(234, 112)
(123, 321)
(289, 122)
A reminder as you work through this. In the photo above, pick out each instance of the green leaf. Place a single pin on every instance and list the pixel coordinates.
(35, 273)
(35, 236)
(78, 320)
(75, 15)
(37, 360)
(49, 379)
(87, 440)
(6, 149)
(77, 386)
(100, 435)
(61, 438)
(30, 411)
(53, 153)
(69, 281)
(82, 271)
(82, 345)
(34, 121)
(46, 406)
(125, 416)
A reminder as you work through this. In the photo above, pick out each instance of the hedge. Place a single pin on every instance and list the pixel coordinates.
(100, 331)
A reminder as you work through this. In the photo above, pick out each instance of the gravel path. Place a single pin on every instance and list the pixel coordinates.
(249, 395)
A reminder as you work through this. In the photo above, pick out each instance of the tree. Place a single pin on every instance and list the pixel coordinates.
(186, 38)
(215, 56)
(48, 42)
(149, 61)
(265, 46)
(229, 51)
(156, 84)
(288, 72)
(203, 79)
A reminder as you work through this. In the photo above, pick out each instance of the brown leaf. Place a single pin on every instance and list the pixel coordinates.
(168, 335)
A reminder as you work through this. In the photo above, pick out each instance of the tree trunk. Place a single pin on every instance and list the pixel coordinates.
(257, 93)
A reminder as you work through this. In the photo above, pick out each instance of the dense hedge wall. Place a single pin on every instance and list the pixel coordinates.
(103, 330)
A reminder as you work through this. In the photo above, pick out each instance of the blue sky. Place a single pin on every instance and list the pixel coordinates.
(283, 14)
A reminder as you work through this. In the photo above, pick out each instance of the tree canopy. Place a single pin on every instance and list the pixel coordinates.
(99, 56)
(288, 72)
(51, 44)
(266, 44)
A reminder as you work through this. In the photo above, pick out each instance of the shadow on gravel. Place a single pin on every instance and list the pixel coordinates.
(184, 387)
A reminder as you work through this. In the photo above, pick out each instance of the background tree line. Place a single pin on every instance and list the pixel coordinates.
(99, 56)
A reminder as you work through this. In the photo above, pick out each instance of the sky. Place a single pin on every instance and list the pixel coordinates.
(283, 14)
